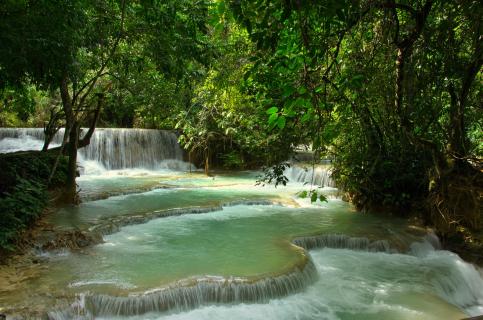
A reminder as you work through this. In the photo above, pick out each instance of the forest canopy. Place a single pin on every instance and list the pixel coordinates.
(389, 90)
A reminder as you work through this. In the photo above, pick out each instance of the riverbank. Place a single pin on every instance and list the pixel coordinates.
(26, 190)
(467, 243)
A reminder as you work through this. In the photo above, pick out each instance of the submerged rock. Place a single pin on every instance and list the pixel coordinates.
(72, 239)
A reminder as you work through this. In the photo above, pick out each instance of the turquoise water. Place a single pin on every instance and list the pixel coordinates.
(236, 241)
(246, 238)
(359, 285)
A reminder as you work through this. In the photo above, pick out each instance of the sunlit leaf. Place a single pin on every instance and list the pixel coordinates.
(272, 110)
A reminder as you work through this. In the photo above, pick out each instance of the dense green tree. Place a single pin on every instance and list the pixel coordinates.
(71, 46)
(64, 45)
(223, 124)
(388, 87)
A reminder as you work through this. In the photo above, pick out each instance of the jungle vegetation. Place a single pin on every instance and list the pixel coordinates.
(388, 89)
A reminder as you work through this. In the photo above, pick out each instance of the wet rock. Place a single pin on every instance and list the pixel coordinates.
(72, 239)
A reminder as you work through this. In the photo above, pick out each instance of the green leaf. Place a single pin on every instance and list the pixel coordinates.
(313, 196)
(300, 102)
(287, 91)
(357, 80)
(272, 110)
(322, 198)
(303, 194)
(289, 113)
(281, 122)
(306, 117)
(273, 117)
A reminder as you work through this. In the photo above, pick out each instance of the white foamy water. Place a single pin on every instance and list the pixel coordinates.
(425, 284)
(319, 175)
(356, 278)
(111, 151)
(21, 143)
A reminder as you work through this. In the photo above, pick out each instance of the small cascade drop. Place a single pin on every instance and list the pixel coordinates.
(341, 241)
(318, 175)
(21, 139)
(194, 292)
(110, 149)
(131, 148)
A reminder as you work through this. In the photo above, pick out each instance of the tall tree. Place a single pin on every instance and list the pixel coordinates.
(65, 45)
(388, 86)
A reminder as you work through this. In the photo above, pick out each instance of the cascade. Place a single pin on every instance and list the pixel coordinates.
(113, 225)
(318, 175)
(341, 241)
(194, 292)
(341, 276)
(109, 148)
(457, 282)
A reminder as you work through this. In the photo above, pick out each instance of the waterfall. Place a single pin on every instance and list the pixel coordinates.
(318, 175)
(194, 292)
(19, 139)
(130, 148)
(341, 241)
(110, 149)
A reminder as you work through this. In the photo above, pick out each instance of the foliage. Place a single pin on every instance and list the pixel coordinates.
(388, 88)
(274, 174)
(27, 106)
(313, 194)
(23, 191)
(75, 50)
(20, 208)
(222, 123)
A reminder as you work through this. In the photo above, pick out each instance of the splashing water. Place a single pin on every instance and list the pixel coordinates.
(109, 149)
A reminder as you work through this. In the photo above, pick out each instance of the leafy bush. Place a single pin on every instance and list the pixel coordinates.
(23, 191)
(232, 160)
(19, 209)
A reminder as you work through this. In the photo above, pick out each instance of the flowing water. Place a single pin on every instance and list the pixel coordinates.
(180, 245)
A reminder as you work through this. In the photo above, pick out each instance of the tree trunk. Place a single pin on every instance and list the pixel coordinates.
(398, 94)
(72, 131)
(47, 140)
(207, 163)
(456, 188)
(70, 194)
(404, 51)
(51, 128)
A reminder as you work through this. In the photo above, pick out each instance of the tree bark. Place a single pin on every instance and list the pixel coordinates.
(86, 139)
(458, 142)
(71, 187)
(51, 128)
(398, 95)
(72, 132)
(207, 161)
(404, 50)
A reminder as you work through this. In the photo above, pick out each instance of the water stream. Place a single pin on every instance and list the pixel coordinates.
(180, 245)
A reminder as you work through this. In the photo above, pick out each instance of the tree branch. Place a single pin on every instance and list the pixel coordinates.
(393, 5)
(92, 82)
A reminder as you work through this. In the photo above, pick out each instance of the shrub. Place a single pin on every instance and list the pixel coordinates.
(23, 191)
